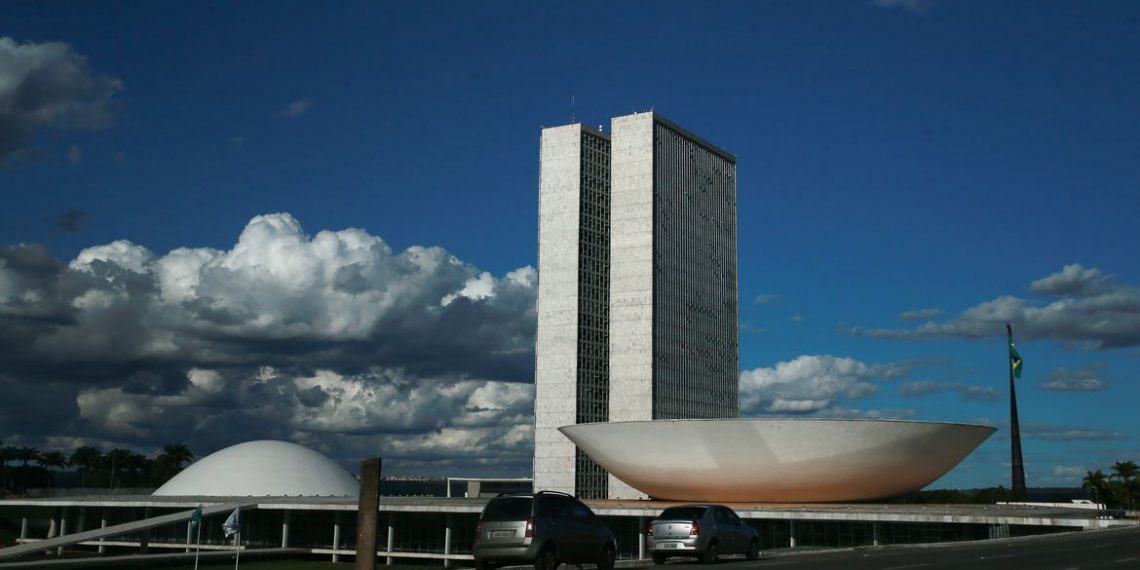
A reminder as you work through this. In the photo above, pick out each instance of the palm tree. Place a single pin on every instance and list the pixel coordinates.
(1125, 470)
(26, 455)
(1096, 483)
(116, 460)
(169, 462)
(87, 459)
(178, 454)
(7, 453)
(1125, 474)
(138, 467)
(53, 459)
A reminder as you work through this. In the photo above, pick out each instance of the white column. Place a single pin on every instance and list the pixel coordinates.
(641, 538)
(62, 528)
(791, 534)
(875, 533)
(102, 524)
(189, 534)
(24, 526)
(447, 540)
(144, 545)
(336, 536)
(391, 536)
(285, 529)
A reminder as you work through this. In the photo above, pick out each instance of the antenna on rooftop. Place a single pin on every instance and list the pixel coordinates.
(573, 119)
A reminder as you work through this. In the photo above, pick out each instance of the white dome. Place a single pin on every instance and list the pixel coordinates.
(777, 460)
(263, 469)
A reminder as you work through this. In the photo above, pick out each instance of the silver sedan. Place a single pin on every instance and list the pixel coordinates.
(702, 531)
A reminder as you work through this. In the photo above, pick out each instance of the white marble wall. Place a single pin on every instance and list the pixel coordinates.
(631, 276)
(556, 341)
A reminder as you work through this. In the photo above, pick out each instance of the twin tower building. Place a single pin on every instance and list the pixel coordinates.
(637, 295)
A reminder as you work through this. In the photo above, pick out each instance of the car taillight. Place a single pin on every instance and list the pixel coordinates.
(529, 527)
(696, 529)
(649, 529)
(478, 528)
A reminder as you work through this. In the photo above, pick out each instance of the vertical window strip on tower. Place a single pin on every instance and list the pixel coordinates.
(590, 479)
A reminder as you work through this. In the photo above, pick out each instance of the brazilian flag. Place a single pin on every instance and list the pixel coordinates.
(1014, 358)
(196, 517)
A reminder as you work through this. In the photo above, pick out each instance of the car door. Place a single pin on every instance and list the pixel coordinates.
(741, 530)
(727, 532)
(587, 542)
(551, 525)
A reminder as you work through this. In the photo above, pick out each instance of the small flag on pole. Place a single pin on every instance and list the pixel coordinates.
(1014, 358)
(233, 523)
(196, 517)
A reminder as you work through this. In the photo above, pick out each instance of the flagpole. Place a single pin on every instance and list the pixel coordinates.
(237, 544)
(1018, 468)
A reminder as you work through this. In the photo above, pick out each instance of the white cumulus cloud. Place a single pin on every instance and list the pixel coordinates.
(810, 383)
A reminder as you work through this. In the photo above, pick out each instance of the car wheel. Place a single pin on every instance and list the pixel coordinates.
(547, 559)
(712, 555)
(658, 558)
(753, 551)
(606, 558)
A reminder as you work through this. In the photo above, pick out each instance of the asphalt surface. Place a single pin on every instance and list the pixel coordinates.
(1116, 549)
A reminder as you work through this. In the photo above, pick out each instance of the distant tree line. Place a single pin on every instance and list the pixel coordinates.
(23, 467)
(1120, 489)
(985, 496)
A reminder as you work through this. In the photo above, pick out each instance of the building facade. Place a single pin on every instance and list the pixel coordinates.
(637, 308)
(572, 342)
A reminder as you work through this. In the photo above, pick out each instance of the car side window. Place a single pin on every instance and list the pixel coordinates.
(720, 516)
(564, 507)
(551, 506)
(733, 518)
(580, 511)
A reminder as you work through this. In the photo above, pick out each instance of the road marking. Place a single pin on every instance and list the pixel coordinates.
(1125, 560)
(998, 556)
(907, 566)
(781, 563)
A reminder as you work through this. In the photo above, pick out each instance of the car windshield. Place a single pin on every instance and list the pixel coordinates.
(507, 509)
(682, 513)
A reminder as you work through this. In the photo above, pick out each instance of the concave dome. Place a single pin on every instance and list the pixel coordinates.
(263, 469)
(777, 460)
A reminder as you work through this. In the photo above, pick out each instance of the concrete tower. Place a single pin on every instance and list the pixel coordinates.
(572, 342)
(673, 297)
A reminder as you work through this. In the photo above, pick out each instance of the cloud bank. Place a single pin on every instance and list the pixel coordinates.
(968, 392)
(333, 340)
(1095, 312)
(1086, 379)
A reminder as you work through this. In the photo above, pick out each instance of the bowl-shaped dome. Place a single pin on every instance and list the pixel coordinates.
(777, 459)
(263, 469)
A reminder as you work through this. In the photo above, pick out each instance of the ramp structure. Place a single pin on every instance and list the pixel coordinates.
(115, 530)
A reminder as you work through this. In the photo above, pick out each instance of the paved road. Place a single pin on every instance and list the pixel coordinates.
(1117, 549)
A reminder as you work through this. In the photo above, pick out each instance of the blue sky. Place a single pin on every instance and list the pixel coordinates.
(969, 162)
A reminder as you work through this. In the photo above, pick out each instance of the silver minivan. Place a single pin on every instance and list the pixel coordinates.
(546, 528)
(702, 531)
